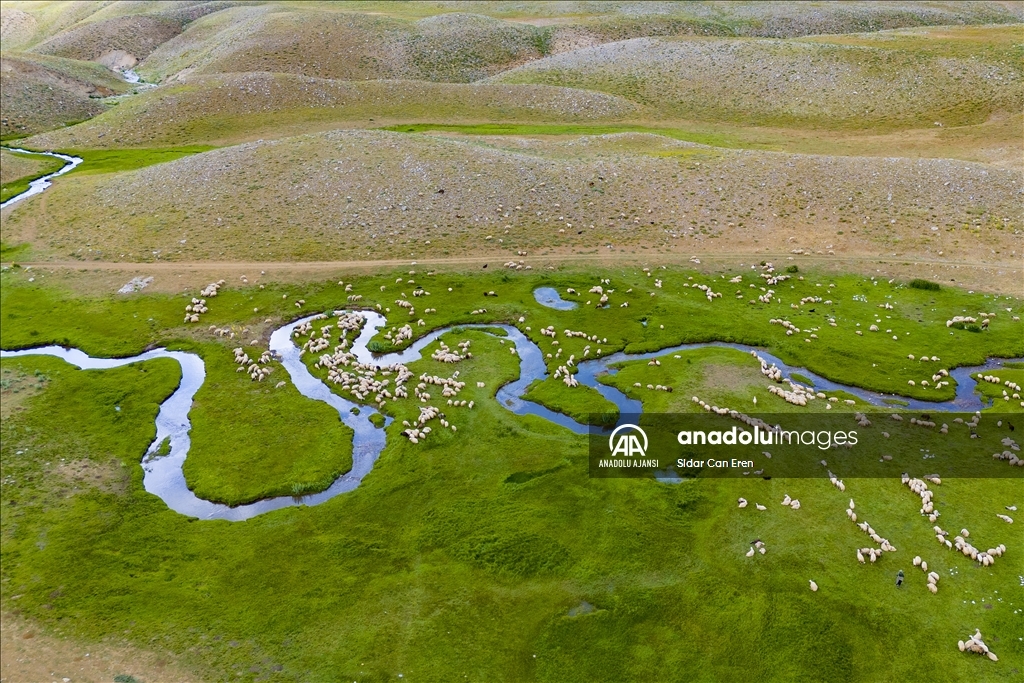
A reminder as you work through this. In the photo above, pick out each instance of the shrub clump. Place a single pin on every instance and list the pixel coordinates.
(918, 283)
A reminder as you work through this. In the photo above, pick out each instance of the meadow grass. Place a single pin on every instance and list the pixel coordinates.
(800, 378)
(873, 360)
(9, 252)
(990, 390)
(464, 554)
(253, 440)
(581, 403)
(492, 540)
(116, 160)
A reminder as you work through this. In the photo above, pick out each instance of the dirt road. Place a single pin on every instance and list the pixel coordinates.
(1002, 277)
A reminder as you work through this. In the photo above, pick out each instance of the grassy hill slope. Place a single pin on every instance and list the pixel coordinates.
(329, 43)
(40, 92)
(788, 83)
(230, 108)
(368, 194)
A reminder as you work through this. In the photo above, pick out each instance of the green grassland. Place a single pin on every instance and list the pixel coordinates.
(871, 360)
(995, 391)
(493, 536)
(581, 403)
(252, 440)
(93, 161)
(719, 376)
(117, 160)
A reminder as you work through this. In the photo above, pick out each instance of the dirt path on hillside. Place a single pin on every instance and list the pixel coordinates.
(1000, 277)
(497, 261)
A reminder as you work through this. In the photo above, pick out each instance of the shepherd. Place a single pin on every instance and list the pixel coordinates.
(899, 578)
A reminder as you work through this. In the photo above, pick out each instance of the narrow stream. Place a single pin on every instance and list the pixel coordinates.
(40, 184)
(165, 479)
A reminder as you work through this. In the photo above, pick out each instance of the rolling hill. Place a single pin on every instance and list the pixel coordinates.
(349, 195)
(787, 83)
(38, 92)
(229, 108)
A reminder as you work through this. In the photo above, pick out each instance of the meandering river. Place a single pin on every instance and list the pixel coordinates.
(165, 479)
(41, 183)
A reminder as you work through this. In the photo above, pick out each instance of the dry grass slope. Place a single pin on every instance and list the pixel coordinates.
(16, 27)
(231, 108)
(786, 83)
(350, 195)
(369, 41)
(621, 20)
(39, 92)
(136, 36)
(328, 43)
(69, 24)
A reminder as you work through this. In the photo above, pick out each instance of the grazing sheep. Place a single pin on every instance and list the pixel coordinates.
(814, 586)
(977, 645)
